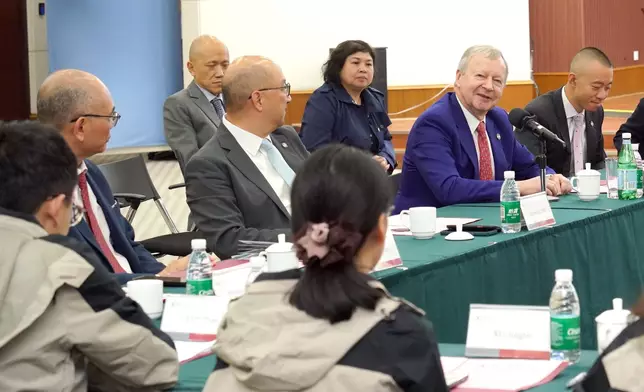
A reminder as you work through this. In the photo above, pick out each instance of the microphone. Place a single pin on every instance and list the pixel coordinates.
(522, 119)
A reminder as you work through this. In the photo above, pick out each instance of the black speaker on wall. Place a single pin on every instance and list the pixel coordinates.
(380, 72)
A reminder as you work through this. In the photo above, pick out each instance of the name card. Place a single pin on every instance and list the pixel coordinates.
(193, 318)
(536, 211)
(390, 256)
(506, 331)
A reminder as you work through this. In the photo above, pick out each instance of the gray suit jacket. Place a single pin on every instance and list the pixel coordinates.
(189, 121)
(229, 197)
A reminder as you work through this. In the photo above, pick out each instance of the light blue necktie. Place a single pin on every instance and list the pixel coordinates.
(278, 162)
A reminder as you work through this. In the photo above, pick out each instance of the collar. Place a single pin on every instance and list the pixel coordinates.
(472, 121)
(568, 108)
(209, 96)
(19, 215)
(368, 98)
(81, 168)
(248, 141)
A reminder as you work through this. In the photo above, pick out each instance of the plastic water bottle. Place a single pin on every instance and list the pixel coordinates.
(640, 166)
(199, 276)
(510, 205)
(565, 329)
(626, 170)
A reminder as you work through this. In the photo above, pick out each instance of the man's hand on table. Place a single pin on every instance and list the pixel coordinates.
(181, 264)
(556, 185)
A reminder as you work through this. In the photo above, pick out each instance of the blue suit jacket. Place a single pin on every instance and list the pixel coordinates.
(441, 167)
(330, 116)
(121, 232)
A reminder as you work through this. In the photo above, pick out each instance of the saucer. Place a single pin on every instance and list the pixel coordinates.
(423, 236)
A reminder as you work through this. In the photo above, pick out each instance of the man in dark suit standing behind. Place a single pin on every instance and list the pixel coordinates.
(575, 114)
(191, 116)
(80, 106)
(239, 183)
(635, 126)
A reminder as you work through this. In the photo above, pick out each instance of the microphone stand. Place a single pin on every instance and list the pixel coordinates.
(541, 161)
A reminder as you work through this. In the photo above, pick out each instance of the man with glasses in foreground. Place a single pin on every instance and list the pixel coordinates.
(80, 106)
(55, 294)
(238, 184)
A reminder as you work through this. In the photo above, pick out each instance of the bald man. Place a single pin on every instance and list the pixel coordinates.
(239, 183)
(80, 106)
(575, 114)
(191, 116)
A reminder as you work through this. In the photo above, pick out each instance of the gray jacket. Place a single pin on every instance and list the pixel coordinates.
(229, 198)
(189, 121)
(65, 323)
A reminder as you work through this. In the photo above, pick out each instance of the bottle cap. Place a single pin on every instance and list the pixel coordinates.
(508, 175)
(198, 243)
(626, 135)
(563, 275)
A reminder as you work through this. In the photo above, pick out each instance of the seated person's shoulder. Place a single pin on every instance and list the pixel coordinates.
(406, 322)
(80, 251)
(542, 103)
(177, 98)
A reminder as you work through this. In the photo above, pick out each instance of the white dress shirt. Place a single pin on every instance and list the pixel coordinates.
(251, 143)
(473, 123)
(571, 112)
(100, 217)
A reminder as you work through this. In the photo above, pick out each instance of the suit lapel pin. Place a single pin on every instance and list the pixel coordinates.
(592, 124)
(284, 145)
(498, 136)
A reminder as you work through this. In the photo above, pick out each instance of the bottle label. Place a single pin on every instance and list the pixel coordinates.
(199, 287)
(627, 179)
(565, 333)
(510, 212)
(639, 178)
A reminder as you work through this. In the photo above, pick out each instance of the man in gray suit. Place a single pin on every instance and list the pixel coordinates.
(239, 183)
(191, 116)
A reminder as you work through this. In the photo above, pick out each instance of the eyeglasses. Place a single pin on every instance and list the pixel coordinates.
(78, 213)
(114, 117)
(286, 87)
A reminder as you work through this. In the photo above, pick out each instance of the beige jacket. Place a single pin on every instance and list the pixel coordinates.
(65, 322)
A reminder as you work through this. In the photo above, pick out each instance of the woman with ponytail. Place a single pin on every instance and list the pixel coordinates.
(329, 326)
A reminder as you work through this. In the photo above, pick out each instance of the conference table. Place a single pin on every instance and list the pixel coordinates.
(597, 240)
(193, 375)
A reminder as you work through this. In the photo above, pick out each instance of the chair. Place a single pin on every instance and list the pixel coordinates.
(394, 182)
(131, 185)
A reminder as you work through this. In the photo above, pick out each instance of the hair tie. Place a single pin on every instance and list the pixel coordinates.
(315, 240)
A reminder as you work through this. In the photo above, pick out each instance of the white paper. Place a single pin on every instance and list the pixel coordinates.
(390, 255)
(454, 370)
(603, 189)
(189, 350)
(400, 225)
(231, 282)
(193, 314)
(493, 328)
(508, 374)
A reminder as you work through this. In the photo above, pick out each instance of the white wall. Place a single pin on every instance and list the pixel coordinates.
(37, 38)
(425, 38)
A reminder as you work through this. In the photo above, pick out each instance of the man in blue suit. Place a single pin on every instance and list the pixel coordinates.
(80, 106)
(459, 148)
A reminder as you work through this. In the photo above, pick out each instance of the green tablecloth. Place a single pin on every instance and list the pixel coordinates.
(597, 240)
(193, 375)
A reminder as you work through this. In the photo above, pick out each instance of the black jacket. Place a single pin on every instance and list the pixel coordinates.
(634, 125)
(550, 113)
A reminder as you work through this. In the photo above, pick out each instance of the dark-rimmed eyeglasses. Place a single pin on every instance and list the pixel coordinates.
(113, 118)
(286, 87)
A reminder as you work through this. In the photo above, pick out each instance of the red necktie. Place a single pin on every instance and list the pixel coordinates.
(93, 224)
(485, 155)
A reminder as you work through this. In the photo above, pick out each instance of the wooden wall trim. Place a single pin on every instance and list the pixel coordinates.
(626, 80)
(516, 94)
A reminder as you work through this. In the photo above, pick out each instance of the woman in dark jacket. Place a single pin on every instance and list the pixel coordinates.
(346, 110)
(620, 367)
(330, 327)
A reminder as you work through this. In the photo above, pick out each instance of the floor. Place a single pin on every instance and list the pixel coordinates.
(148, 222)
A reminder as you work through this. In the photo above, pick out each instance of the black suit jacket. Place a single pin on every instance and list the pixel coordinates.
(550, 113)
(229, 197)
(634, 125)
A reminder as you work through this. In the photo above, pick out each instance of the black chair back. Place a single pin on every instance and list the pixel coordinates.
(130, 176)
